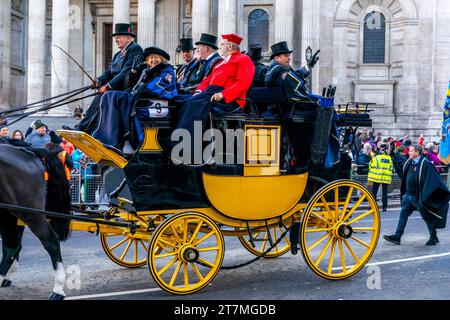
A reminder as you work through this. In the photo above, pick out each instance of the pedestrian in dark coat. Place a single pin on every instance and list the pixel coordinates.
(422, 190)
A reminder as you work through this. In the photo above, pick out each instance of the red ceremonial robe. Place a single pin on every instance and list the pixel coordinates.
(235, 75)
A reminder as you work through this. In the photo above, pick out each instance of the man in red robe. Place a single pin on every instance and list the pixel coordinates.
(223, 91)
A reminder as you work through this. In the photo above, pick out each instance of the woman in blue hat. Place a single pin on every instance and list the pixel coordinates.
(153, 79)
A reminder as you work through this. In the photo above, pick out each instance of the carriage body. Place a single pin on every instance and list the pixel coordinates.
(265, 190)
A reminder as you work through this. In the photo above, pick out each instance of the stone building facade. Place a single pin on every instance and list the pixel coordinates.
(395, 53)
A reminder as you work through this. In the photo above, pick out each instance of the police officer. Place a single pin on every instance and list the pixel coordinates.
(187, 49)
(254, 52)
(380, 172)
(208, 58)
(114, 77)
(281, 74)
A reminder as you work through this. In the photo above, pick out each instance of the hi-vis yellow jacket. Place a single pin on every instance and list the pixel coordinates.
(380, 169)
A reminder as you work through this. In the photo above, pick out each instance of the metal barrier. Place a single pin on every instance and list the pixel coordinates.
(87, 188)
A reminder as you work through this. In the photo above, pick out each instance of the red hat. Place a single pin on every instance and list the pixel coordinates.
(234, 38)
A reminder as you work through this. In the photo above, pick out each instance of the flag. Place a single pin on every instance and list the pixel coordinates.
(444, 148)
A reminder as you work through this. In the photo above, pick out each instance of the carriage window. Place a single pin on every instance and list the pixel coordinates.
(258, 28)
(374, 38)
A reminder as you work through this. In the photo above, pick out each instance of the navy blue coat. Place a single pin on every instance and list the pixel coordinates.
(120, 67)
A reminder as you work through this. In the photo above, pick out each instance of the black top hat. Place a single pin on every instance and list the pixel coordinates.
(254, 52)
(186, 44)
(156, 50)
(123, 29)
(279, 48)
(209, 40)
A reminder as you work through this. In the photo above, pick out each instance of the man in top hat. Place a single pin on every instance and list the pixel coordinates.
(114, 77)
(188, 53)
(281, 74)
(223, 91)
(208, 58)
(254, 52)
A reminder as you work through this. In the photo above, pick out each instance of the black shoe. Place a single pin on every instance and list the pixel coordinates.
(67, 128)
(432, 241)
(392, 238)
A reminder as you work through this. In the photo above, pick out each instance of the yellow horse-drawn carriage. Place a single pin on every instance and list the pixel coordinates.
(181, 214)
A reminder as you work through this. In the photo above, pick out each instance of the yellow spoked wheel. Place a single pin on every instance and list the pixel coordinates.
(262, 242)
(125, 250)
(192, 250)
(340, 229)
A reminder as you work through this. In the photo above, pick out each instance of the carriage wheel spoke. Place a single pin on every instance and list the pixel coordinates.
(197, 229)
(205, 237)
(197, 272)
(351, 251)
(208, 249)
(285, 237)
(209, 264)
(126, 250)
(165, 255)
(321, 218)
(175, 273)
(175, 233)
(354, 208)
(364, 229)
(135, 251)
(186, 275)
(143, 245)
(164, 243)
(275, 239)
(319, 230)
(167, 266)
(341, 252)
(325, 203)
(266, 237)
(318, 242)
(336, 203)
(347, 202)
(322, 254)
(361, 216)
(119, 243)
(330, 264)
(361, 242)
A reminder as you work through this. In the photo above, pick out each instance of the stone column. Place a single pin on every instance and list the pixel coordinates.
(284, 21)
(310, 35)
(121, 14)
(36, 50)
(60, 63)
(201, 18)
(227, 17)
(171, 27)
(5, 53)
(146, 23)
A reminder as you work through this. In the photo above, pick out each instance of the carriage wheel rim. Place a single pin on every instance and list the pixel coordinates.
(126, 251)
(336, 233)
(190, 259)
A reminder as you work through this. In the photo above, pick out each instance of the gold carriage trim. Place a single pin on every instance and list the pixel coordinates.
(254, 198)
(93, 148)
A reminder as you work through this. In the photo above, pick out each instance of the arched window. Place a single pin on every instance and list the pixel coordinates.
(374, 38)
(258, 28)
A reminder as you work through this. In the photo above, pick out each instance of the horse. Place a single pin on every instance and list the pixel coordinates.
(33, 178)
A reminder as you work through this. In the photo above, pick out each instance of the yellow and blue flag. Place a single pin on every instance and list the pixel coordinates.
(444, 148)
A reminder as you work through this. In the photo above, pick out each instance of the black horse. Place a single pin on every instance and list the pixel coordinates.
(23, 183)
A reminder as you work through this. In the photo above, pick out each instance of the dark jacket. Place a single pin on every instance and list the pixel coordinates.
(120, 67)
(260, 74)
(293, 82)
(432, 193)
(199, 71)
(363, 163)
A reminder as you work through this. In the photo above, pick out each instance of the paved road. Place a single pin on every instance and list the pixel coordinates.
(409, 271)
